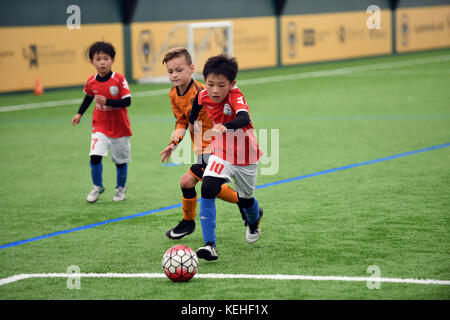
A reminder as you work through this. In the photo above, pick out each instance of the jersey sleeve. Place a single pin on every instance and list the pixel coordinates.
(238, 102)
(87, 88)
(180, 119)
(124, 88)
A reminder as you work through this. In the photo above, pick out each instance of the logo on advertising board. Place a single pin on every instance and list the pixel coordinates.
(292, 39)
(309, 37)
(341, 34)
(404, 33)
(48, 54)
(31, 54)
(146, 48)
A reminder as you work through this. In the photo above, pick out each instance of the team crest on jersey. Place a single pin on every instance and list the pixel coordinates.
(227, 109)
(114, 90)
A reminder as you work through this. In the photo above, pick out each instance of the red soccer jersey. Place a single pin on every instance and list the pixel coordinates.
(239, 147)
(113, 122)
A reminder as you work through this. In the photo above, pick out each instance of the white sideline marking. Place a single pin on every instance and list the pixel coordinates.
(289, 77)
(19, 277)
(342, 71)
(59, 103)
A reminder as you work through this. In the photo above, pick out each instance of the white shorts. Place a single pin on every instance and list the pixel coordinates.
(244, 176)
(119, 147)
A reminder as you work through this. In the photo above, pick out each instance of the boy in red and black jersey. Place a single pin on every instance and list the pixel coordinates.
(235, 151)
(180, 69)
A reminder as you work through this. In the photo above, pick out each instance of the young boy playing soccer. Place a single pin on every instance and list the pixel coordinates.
(110, 123)
(179, 66)
(235, 150)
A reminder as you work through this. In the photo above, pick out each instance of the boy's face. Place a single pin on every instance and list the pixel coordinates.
(218, 86)
(102, 62)
(179, 71)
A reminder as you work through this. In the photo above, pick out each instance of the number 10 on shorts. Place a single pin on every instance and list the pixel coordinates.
(216, 167)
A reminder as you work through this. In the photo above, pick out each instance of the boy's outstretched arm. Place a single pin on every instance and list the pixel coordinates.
(84, 105)
(242, 120)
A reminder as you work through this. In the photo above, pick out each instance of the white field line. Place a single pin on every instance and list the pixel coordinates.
(343, 71)
(19, 277)
(399, 73)
(59, 103)
(272, 79)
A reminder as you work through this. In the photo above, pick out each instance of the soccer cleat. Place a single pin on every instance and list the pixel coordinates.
(254, 230)
(208, 252)
(94, 194)
(183, 228)
(119, 194)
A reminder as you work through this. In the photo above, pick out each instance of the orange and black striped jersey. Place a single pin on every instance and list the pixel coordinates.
(181, 107)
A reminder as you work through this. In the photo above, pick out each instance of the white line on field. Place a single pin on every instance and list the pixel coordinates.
(19, 277)
(59, 103)
(272, 79)
(399, 73)
(343, 71)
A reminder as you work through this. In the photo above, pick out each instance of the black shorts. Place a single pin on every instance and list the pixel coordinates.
(197, 169)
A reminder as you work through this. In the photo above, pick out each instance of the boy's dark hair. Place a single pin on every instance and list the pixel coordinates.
(175, 53)
(101, 46)
(221, 65)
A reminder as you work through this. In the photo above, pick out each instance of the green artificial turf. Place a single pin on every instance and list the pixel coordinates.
(393, 214)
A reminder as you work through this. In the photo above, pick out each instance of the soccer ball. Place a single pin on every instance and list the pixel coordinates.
(180, 263)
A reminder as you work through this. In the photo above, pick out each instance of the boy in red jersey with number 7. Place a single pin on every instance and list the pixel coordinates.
(235, 150)
(110, 123)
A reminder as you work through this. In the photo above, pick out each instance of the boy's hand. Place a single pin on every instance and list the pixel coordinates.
(219, 128)
(100, 99)
(76, 119)
(165, 154)
(214, 131)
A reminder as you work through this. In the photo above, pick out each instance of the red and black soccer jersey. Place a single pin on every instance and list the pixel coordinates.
(113, 122)
(238, 147)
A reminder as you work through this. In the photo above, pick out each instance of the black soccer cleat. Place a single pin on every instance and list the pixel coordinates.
(208, 252)
(184, 228)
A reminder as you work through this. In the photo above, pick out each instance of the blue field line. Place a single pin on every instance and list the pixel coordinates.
(141, 214)
(171, 164)
(89, 226)
(353, 165)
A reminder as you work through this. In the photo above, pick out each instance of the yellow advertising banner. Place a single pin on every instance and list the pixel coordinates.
(422, 28)
(55, 54)
(334, 36)
(254, 44)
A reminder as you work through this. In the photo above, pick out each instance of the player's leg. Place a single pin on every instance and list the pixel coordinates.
(216, 174)
(121, 156)
(99, 149)
(245, 181)
(211, 187)
(226, 192)
(189, 201)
